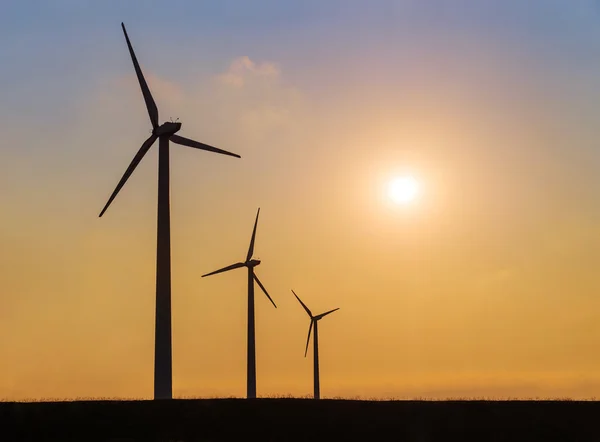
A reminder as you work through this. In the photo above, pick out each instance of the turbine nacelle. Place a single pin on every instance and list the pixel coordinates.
(167, 128)
(252, 263)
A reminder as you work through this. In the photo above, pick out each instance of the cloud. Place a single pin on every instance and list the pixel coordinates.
(249, 102)
(242, 68)
(256, 97)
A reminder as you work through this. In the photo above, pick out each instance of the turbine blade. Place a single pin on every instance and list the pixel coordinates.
(150, 104)
(303, 304)
(136, 160)
(191, 143)
(322, 315)
(225, 269)
(308, 339)
(263, 288)
(251, 248)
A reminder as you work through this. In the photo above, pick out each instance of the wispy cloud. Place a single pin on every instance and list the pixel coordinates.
(257, 96)
(243, 69)
(251, 97)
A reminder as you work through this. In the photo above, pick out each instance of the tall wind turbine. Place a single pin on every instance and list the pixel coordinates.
(251, 349)
(314, 322)
(163, 386)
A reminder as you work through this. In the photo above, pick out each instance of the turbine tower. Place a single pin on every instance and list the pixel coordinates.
(163, 386)
(251, 348)
(314, 322)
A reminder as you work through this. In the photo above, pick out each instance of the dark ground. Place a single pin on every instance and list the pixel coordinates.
(301, 419)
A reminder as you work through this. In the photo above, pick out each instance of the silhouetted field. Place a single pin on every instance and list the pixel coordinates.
(301, 419)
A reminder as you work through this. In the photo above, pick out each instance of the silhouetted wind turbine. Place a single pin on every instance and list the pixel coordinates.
(314, 322)
(163, 388)
(251, 349)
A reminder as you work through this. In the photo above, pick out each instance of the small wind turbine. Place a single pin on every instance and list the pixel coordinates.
(251, 349)
(314, 322)
(163, 378)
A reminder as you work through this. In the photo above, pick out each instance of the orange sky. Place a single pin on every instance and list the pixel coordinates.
(484, 286)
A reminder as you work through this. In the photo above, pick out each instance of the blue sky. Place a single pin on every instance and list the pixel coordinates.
(73, 41)
(64, 36)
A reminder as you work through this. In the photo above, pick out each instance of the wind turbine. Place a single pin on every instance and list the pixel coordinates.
(314, 322)
(163, 386)
(251, 348)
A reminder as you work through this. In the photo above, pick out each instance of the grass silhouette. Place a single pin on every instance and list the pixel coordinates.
(290, 419)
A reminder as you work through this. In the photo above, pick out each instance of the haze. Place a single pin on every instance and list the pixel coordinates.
(486, 287)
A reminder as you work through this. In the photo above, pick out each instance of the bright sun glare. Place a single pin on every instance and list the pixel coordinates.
(402, 190)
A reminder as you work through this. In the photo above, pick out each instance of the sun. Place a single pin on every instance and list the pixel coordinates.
(403, 190)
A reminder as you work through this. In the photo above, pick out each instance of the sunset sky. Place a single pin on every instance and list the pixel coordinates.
(487, 284)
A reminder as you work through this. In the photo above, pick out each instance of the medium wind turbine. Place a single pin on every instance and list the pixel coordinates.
(163, 386)
(251, 348)
(314, 322)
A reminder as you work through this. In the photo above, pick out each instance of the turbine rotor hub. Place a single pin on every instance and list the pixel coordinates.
(253, 262)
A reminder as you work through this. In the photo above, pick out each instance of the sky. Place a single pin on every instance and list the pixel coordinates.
(485, 285)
